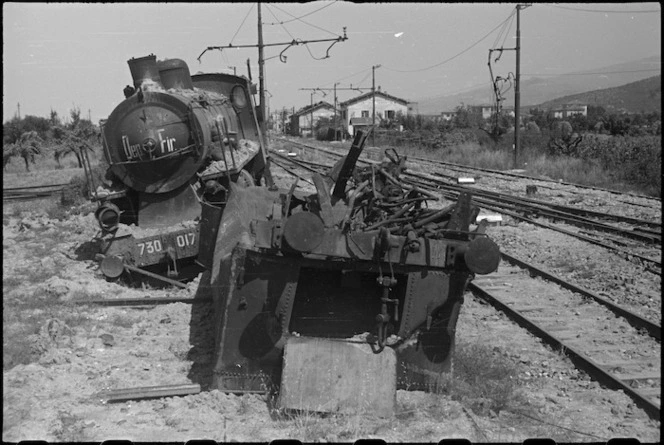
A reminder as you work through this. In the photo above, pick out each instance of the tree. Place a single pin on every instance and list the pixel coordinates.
(68, 142)
(467, 117)
(74, 138)
(563, 140)
(27, 146)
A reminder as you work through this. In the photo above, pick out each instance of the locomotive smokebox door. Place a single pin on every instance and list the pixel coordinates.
(338, 376)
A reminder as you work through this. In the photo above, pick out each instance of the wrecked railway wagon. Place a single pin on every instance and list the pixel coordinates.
(363, 261)
(176, 142)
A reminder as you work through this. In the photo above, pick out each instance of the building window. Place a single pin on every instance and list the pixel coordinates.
(390, 114)
(365, 113)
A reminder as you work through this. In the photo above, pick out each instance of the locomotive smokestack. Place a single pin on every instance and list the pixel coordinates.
(174, 73)
(144, 69)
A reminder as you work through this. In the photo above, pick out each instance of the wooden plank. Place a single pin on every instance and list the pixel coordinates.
(650, 392)
(326, 375)
(630, 377)
(149, 392)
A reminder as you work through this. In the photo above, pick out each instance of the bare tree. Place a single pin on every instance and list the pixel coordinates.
(27, 146)
(563, 140)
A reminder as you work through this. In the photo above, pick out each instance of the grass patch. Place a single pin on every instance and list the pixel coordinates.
(18, 345)
(627, 164)
(24, 316)
(70, 428)
(482, 380)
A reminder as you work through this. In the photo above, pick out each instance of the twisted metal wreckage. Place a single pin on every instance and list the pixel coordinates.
(300, 282)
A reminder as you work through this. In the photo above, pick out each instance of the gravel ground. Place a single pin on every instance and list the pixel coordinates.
(53, 395)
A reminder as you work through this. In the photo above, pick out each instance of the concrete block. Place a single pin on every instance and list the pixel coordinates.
(327, 375)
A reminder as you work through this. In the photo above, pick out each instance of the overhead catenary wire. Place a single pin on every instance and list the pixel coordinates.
(306, 23)
(302, 16)
(455, 56)
(504, 31)
(593, 74)
(603, 11)
(241, 24)
(280, 23)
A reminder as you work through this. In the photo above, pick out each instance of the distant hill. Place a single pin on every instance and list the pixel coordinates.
(642, 96)
(537, 90)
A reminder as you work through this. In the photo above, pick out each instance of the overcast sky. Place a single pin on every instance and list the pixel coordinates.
(61, 55)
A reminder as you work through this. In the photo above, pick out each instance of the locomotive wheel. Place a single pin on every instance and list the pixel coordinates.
(244, 179)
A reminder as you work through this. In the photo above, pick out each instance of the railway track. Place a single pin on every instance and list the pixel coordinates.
(611, 350)
(30, 192)
(527, 209)
(616, 346)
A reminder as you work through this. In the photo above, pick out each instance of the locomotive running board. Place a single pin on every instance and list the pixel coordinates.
(325, 375)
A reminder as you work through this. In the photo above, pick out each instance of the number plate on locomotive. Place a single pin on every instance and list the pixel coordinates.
(155, 249)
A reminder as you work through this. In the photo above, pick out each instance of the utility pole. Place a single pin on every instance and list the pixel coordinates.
(311, 118)
(261, 73)
(517, 92)
(261, 58)
(335, 110)
(373, 97)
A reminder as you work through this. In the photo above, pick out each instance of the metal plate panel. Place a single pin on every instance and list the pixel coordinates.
(337, 376)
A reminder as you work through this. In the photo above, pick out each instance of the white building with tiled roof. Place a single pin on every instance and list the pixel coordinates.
(357, 112)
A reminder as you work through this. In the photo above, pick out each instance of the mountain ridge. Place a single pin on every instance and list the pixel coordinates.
(642, 96)
(539, 90)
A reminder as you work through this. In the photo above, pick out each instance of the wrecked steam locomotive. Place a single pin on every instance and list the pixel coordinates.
(364, 260)
(174, 146)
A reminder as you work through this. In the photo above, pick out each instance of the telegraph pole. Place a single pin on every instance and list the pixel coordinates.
(311, 118)
(261, 63)
(335, 110)
(517, 91)
(373, 97)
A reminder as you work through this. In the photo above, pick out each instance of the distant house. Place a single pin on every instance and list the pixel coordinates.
(448, 115)
(387, 107)
(509, 111)
(567, 110)
(304, 120)
(485, 110)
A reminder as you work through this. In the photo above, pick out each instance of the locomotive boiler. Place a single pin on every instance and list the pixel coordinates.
(362, 261)
(173, 147)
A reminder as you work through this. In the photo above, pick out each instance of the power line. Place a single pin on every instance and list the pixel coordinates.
(306, 23)
(291, 35)
(350, 75)
(505, 30)
(603, 11)
(302, 16)
(589, 74)
(240, 27)
(280, 23)
(454, 57)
